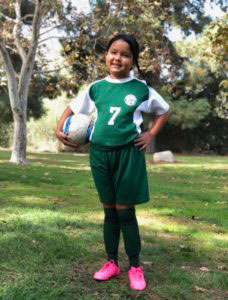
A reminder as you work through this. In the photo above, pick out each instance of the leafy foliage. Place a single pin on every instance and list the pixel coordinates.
(191, 82)
(187, 115)
(203, 76)
(222, 100)
(54, 16)
(194, 80)
(148, 20)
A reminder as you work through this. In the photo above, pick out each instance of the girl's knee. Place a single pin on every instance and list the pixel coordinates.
(122, 207)
(109, 205)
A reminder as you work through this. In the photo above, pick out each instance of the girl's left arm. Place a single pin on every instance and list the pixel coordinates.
(146, 137)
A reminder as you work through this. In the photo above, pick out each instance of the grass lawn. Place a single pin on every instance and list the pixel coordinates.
(51, 231)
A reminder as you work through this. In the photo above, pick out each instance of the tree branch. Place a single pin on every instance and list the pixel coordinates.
(11, 49)
(27, 16)
(36, 26)
(49, 71)
(28, 64)
(51, 37)
(17, 30)
(7, 18)
(11, 78)
(45, 32)
(59, 37)
(5, 59)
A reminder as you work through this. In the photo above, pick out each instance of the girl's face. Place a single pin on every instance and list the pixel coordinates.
(119, 59)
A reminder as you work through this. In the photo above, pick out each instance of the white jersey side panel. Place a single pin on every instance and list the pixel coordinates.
(155, 104)
(83, 104)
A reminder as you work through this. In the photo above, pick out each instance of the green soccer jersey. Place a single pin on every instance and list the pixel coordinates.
(118, 105)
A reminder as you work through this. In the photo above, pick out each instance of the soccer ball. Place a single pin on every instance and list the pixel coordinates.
(78, 128)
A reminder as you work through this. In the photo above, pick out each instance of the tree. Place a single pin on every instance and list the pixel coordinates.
(216, 37)
(199, 95)
(149, 21)
(21, 22)
(18, 89)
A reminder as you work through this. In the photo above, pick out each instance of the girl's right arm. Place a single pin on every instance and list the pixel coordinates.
(59, 130)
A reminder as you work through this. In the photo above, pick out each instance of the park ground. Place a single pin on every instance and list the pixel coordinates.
(51, 230)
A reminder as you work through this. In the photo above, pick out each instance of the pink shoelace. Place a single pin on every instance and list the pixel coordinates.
(107, 265)
(138, 273)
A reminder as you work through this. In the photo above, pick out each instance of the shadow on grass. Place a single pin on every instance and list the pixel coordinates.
(51, 236)
(52, 256)
(41, 260)
(43, 175)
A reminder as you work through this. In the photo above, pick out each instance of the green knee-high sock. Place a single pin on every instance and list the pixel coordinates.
(111, 233)
(130, 229)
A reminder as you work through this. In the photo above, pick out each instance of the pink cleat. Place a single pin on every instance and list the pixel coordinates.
(107, 271)
(136, 278)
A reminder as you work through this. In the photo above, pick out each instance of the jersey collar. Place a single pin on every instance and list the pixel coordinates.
(112, 80)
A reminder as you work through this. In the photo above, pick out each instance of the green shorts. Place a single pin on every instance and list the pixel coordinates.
(120, 174)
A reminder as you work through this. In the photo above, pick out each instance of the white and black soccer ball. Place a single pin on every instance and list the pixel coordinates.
(78, 128)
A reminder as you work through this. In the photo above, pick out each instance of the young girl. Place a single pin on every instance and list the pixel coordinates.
(116, 150)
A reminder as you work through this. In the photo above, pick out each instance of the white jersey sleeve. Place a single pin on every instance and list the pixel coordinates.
(82, 104)
(155, 104)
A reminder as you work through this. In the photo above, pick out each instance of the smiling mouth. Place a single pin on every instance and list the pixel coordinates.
(115, 65)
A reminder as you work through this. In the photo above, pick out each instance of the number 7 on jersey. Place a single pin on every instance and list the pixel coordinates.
(115, 110)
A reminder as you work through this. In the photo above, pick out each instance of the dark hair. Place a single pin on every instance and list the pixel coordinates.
(133, 45)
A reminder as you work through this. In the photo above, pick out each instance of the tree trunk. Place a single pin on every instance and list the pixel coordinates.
(151, 147)
(18, 154)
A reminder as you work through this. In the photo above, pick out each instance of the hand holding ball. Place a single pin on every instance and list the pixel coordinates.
(78, 128)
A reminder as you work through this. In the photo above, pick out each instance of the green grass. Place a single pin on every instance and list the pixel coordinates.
(51, 230)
